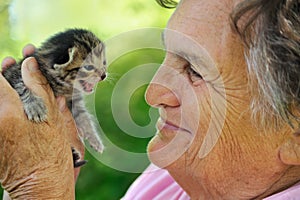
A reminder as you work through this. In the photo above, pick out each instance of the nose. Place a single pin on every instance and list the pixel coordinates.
(158, 95)
(103, 76)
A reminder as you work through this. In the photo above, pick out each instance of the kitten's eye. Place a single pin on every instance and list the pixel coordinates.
(104, 62)
(89, 67)
(193, 75)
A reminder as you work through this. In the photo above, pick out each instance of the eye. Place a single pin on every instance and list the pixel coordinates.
(193, 75)
(88, 67)
(104, 62)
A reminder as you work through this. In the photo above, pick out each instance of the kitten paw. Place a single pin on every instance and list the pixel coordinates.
(36, 110)
(96, 145)
(77, 162)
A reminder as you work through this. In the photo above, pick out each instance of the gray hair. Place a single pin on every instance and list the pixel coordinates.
(270, 30)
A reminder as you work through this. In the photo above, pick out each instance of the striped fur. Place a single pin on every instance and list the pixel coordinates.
(73, 62)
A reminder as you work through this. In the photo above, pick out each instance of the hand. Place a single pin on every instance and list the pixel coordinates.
(36, 159)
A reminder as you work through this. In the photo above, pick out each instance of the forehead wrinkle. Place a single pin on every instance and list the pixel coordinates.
(212, 13)
(193, 53)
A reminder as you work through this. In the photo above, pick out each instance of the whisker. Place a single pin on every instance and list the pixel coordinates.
(112, 78)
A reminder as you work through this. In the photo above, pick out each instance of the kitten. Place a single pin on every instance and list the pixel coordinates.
(73, 62)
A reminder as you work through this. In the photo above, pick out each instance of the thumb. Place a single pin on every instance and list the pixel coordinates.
(35, 81)
(31, 74)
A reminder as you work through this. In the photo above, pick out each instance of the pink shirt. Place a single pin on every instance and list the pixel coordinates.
(157, 184)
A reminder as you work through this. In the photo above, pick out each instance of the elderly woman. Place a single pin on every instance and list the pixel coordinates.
(250, 149)
(228, 124)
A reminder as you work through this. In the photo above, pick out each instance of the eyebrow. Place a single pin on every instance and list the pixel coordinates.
(202, 58)
(195, 59)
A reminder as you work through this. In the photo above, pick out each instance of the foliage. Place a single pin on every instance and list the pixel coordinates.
(6, 43)
(30, 21)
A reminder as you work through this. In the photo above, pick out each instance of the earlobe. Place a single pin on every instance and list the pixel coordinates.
(72, 54)
(289, 152)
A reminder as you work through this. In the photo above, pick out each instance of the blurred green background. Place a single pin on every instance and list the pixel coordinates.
(132, 62)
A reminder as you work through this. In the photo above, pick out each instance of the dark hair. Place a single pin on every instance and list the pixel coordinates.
(167, 3)
(270, 30)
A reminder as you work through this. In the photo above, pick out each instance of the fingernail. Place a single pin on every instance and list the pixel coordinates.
(32, 65)
(79, 163)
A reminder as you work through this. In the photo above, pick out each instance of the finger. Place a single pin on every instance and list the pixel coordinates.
(72, 135)
(7, 62)
(9, 98)
(6, 90)
(28, 50)
(70, 124)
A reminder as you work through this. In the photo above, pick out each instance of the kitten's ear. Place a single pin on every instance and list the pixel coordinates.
(73, 53)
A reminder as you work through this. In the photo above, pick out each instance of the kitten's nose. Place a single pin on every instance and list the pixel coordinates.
(103, 76)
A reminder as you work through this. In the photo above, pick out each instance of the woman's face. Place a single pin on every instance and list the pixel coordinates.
(205, 136)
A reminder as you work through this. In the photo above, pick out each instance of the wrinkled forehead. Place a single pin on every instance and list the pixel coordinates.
(207, 23)
(186, 47)
(202, 14)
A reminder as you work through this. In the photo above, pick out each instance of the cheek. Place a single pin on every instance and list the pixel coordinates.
(206, 123)
(201, 120)
(195, 113)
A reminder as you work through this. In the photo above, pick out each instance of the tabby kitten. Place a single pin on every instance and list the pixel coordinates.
(73, 62)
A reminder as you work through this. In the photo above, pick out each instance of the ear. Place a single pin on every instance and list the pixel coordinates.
(73, 52)
(289, 151)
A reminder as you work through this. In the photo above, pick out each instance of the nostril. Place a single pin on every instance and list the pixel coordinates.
(103, 76)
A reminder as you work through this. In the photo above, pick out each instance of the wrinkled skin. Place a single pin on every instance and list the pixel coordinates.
(245, 162)
(36, 160)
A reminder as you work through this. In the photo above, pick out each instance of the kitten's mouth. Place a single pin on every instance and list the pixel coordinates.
(87, 87)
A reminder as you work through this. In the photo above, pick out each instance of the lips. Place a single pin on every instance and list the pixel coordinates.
(167, 125)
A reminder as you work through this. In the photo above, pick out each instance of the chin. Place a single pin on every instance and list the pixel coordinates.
(165, 151)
